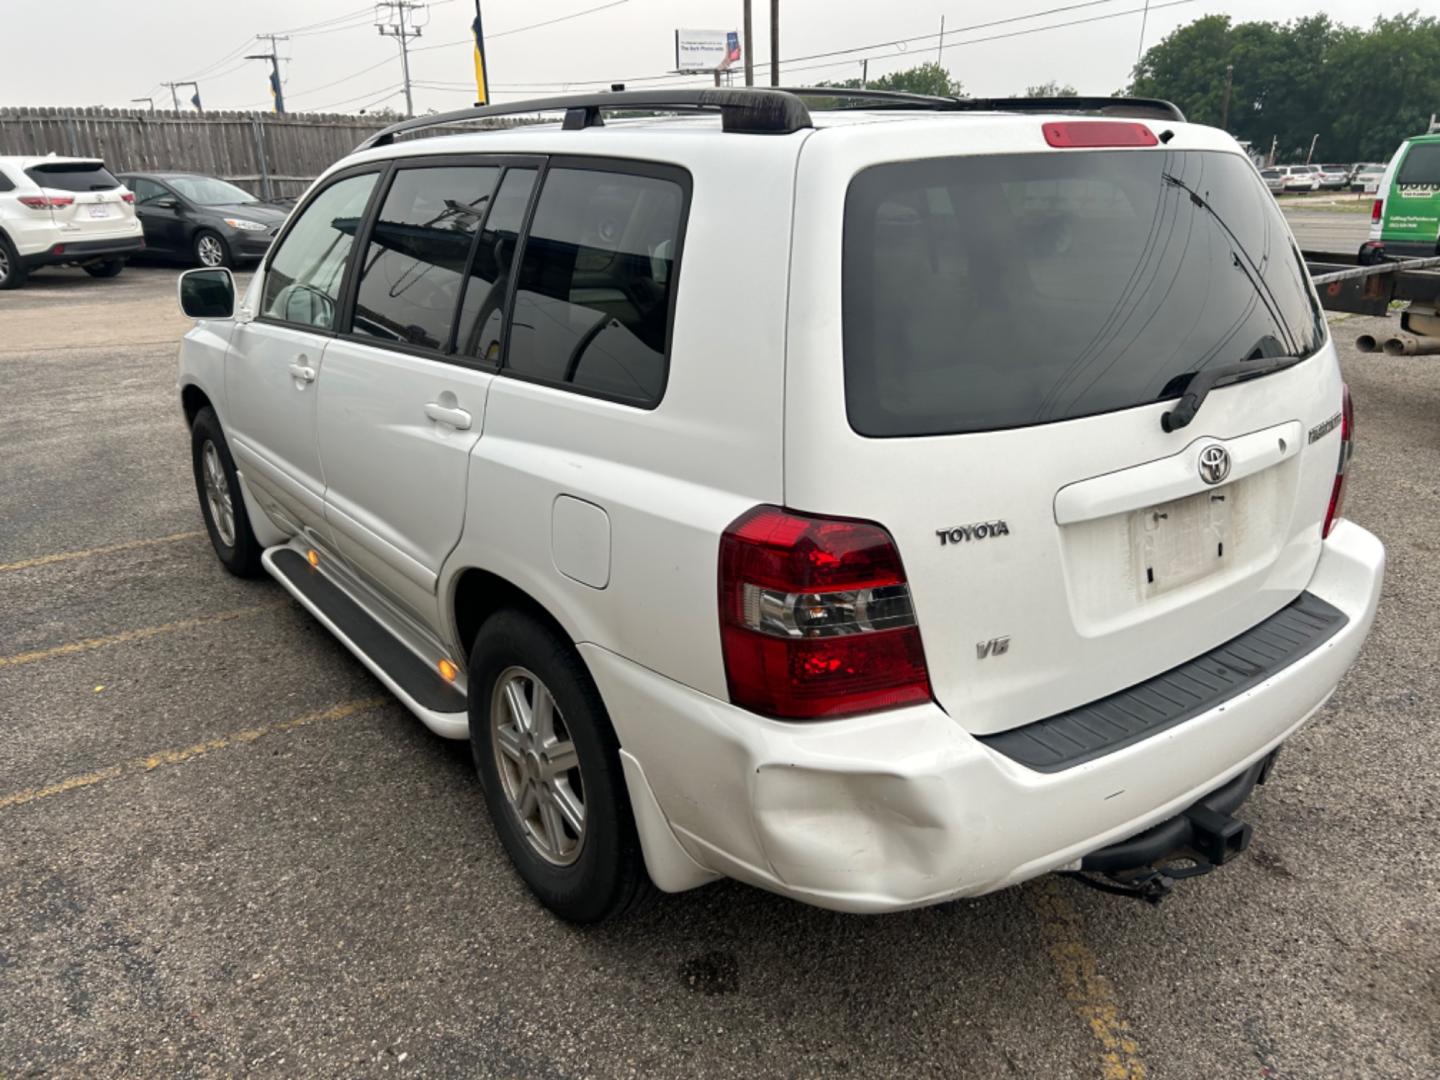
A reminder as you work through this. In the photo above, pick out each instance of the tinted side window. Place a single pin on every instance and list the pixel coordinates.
(302, 284)
(6, 184)
(592, 308)
(415, 263)
(1421, 167)
(482, 311)
(146, 190)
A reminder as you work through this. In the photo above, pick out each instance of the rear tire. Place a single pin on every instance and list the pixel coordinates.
(583, 875)
(210, 249)
(106, 269)
(12, 274)
(221, 503)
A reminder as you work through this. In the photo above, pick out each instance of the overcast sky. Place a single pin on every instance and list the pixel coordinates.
(105, 52)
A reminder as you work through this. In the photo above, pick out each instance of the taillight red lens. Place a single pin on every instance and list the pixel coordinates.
(1377, 211)
(46, 202)
(128, 196)
(1072, 134)
(1347, 451)
(815, 617)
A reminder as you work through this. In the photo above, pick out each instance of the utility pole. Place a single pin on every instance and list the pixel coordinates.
(402, 33)
(1225, 108)
(274, 57)
(1144, 18)
(1311, 154)
(864, 74)
(940, 45)
(151, 100)
(774, 42)
(174, 97)
(749, 46)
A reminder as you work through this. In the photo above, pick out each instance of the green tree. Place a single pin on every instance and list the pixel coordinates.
(1358, 92)
(929, 78)
(1051, 89)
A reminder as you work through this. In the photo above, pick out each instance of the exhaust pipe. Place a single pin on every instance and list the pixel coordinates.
(1403, 344)
(1367, 343)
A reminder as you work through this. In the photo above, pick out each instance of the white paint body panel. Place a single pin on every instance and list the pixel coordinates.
(580, 541)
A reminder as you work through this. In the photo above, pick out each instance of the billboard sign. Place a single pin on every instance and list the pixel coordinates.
(699, 51)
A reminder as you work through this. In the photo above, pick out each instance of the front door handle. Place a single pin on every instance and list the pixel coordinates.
(458, 419)
(303, 372)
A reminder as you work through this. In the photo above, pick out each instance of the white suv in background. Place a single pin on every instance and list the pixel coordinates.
(57, 211)
(878, 505)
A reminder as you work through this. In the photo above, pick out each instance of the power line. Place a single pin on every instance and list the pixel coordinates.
(523, 29)
(402, 33)
(674, 79)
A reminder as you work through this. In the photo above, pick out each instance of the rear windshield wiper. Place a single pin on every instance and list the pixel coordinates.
(1206, 379)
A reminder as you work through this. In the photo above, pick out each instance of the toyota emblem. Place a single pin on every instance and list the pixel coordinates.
(1214, 464)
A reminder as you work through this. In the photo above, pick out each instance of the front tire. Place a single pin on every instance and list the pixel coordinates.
(12, 274)
(211, 250)
(221, 503)
(549, 764)
(106, 269)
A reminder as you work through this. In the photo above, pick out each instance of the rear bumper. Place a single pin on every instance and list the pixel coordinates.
(905, 808)
(78, 251)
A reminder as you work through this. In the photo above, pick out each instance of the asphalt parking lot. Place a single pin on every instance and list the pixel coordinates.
(225, 850)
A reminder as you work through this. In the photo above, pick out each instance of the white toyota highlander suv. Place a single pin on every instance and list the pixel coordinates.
(879, 504)
(61, 211)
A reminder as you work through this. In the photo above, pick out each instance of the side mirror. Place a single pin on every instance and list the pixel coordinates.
(163, 204)
(207, 293)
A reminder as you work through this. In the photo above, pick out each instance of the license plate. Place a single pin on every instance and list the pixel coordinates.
(99, 210)
(1178, 542)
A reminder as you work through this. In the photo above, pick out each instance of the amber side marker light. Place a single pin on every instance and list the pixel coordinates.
(448, 671)
(312, 557)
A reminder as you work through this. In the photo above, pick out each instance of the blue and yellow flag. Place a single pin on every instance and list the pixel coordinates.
(275, 91)
(482, 88)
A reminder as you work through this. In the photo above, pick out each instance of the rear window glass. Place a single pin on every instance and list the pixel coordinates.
(73, 176)
(1002, 291)
(1421, 167)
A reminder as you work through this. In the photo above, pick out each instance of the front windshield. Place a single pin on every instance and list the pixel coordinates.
(1000, 291)
(208, 191)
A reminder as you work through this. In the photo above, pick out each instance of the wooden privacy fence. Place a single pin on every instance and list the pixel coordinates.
(273, 155)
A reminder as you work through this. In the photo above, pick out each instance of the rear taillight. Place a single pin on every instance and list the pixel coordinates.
(815, 617)
(1377, 211)
(128, 196)
(1347, 451)
(46, 202)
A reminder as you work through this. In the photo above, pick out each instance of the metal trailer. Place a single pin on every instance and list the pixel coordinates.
(1370, 290)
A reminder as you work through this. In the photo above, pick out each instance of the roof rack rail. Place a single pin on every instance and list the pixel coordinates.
(749, 110)
(892, 98)
(1140, 108)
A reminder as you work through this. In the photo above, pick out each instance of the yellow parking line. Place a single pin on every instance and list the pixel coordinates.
(178, 757)
(1088, 992)
(129, 545)
(138, 634)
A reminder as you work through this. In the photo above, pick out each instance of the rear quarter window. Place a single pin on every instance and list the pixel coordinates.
(1421, 167)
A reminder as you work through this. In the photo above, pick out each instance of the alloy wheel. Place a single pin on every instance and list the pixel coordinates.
(538, 766)
(217, 493)
(4, 264)
(210, 251)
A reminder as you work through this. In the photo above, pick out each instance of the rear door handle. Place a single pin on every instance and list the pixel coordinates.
(303, 372)
(458, 419)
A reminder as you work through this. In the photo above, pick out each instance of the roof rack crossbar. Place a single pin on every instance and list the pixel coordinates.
(750, 111)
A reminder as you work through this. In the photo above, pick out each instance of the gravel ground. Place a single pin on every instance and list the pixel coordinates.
(224, 850)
